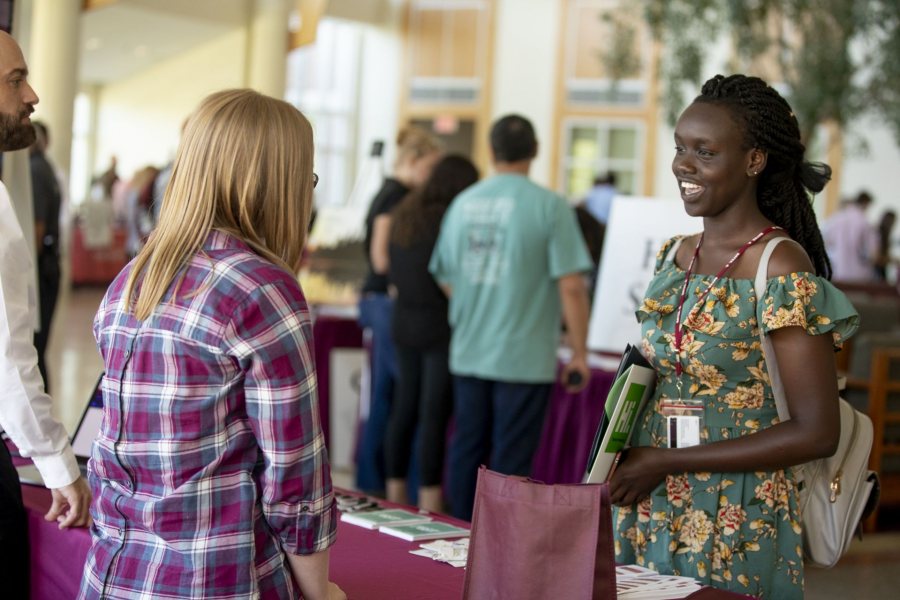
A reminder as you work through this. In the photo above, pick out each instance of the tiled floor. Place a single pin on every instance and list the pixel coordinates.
(870, 570)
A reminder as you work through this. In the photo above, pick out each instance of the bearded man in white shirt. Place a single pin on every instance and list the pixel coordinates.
(24, 406)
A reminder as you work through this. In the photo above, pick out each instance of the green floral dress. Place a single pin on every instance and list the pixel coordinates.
(738, 531)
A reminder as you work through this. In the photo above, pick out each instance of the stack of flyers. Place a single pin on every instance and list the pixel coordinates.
(379, 518)
(639, 583)
(451, 552)
(431, 530)
(354, 503)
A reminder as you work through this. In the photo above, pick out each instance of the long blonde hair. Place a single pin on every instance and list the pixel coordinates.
(244, 166)
(414, 142)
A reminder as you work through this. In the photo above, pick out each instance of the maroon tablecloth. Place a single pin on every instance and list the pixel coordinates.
(368, 565)
(330, 332)
(572, 421)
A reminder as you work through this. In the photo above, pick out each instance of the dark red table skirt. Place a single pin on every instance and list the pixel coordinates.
(571, 421)
(330, 333)
(368, 565)
(569, 429)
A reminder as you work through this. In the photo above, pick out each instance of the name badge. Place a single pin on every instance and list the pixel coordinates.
(684, 422)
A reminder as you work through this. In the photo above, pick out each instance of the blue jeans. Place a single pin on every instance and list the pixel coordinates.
(498, 420)
(375, 311)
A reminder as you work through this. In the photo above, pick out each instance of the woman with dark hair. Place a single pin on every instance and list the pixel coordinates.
(417, 151)
(720, 505)
(421, 335)
(883, 256)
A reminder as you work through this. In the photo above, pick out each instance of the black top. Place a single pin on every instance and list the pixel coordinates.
(390, 194)
(47, 201)
(420, 310)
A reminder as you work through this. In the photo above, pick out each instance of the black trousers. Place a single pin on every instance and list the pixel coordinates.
(14, 560)
(423, 398)
(48, 290)
(502, 420)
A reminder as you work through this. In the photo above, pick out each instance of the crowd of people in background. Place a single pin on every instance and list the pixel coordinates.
(417, 151)
(479, 278)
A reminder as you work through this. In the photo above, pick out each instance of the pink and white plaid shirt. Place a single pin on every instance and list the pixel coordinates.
(211, 461)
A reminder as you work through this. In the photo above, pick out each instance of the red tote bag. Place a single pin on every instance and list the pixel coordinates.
(532, 541)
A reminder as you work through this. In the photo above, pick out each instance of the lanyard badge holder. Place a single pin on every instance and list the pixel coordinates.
(684, 421)
(684, 416)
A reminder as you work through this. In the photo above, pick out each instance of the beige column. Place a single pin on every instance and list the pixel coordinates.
(53, 70)
(267, 46)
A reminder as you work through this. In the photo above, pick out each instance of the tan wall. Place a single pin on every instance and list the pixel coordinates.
(140, 117)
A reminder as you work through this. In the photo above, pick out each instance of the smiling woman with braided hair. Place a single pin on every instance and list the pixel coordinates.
(722, 507)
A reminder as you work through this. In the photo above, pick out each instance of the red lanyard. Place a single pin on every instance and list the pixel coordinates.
(687, 278)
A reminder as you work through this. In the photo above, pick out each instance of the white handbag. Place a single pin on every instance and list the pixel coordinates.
(833, 491)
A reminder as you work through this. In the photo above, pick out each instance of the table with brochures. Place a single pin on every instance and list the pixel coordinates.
(367, 564)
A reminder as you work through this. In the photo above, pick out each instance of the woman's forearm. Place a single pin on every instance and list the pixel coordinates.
(778, 447)
(310, 571)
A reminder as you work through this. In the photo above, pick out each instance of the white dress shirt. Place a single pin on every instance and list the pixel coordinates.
(24, 406)
(851, 243)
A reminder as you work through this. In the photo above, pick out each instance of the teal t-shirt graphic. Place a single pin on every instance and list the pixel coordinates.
(503, 245)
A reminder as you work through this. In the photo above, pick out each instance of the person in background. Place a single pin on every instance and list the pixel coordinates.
(160, 184)
(599, 199)
(883, 255)
(43, 132)
(417, 151)
(47, 199)
(512, 259)
(722, 507)
(138, 200)
(109, 178)
(158, 190)
(421, 335)
(25, 407)
(851, 242)
(593, 232)
(210, 469)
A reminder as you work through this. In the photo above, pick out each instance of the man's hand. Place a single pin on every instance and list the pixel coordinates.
(70, 505)
(576, 374)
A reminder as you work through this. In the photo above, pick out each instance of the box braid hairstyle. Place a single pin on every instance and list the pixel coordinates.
(785, 187)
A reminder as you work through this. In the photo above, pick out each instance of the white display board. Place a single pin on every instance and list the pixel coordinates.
(345, 373)
(636, 230)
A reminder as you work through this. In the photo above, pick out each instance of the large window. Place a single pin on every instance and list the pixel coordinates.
(80, 166)
(322, 82)
(448, 72)
(595, 147)
(606, 106)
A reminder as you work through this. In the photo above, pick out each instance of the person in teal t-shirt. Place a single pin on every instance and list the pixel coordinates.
(512, 258)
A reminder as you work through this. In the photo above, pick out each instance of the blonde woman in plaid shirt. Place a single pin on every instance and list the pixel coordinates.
(210, 473)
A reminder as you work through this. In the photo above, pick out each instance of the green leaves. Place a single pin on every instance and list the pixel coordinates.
(836, 58)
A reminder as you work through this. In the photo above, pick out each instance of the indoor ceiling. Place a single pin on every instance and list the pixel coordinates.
(123, 37)
(129, 36)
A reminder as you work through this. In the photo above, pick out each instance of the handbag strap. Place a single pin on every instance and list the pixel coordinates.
(670, 255)
(768, 351)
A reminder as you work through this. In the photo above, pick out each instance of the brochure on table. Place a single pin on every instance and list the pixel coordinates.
(378, 518)
(430, 530)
